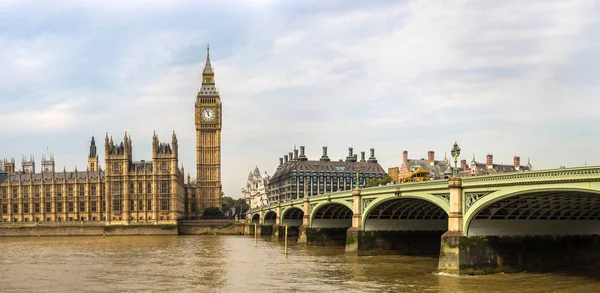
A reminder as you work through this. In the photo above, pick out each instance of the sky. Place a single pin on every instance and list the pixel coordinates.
(499, 77)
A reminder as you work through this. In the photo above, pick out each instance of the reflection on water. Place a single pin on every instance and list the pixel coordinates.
(235, 264)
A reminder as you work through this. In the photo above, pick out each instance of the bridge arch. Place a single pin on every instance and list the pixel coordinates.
(377, 204)
(406, 213)
(331, 215)
(292, 216)
(270, 218)
(256, 218)
(534, 211)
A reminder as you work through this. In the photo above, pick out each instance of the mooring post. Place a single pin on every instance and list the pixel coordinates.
(286, 240)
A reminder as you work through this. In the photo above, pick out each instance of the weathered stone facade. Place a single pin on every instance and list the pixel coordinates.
(126, 191)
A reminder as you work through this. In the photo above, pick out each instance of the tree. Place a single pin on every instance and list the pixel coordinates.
(379, 181)
(239, 204)
(213, 213)
(227, 203)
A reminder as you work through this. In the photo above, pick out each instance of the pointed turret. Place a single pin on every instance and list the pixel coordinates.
(174, 145)
(208, 75)
(93, 148)
(93, 156)
(208, 70)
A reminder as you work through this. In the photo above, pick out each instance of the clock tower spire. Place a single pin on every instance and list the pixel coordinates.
(208, 75)
(208, 140)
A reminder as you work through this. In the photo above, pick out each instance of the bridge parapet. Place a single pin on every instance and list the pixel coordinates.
(535, 177)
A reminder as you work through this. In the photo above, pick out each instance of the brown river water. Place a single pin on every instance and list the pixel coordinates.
(237, 264)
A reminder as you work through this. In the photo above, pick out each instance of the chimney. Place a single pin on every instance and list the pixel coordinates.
(362, 157)
(285, 158)
(295, 153)
(291, 155)
(517, 162)
(431, 158)
(355, 158)
(350, 157)
(372, 156)
(280, 161)
(404, 156)
(324, 157)
(463, 165)
(489, 161)
(302, 157)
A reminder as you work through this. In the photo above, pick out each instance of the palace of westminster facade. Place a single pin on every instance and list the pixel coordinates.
(125, 191)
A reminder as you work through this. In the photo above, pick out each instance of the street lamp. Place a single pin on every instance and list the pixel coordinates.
(455, 153)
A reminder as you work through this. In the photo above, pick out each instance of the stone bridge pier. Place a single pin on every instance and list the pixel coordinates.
(552, 227)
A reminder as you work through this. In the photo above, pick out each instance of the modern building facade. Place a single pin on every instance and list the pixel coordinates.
(296, 175)
(255, 191)
(126, 191)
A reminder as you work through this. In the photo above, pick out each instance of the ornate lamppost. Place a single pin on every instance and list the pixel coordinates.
(455, 153)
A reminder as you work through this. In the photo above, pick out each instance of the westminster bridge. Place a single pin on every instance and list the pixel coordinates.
(525, 220)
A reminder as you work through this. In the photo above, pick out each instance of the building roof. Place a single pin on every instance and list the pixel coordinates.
(324, 166)
(438, 169)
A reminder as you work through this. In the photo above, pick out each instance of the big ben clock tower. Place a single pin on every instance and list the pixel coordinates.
(208, 139)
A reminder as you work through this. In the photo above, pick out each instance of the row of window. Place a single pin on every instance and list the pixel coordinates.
(341, 173)
(93, 206)
(47, 190)
(164, 185)
(90, 218)
(60, 207)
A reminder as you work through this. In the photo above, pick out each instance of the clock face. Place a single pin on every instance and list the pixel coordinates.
(208, 114)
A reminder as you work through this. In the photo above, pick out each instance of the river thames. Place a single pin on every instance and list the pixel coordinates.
(237, 264)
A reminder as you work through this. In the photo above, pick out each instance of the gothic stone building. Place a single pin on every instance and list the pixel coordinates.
(255, 191)
(297, 175)
(126, 191)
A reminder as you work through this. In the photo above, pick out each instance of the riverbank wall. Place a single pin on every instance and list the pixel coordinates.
(88, 230)
(211, 227)
(194, 227)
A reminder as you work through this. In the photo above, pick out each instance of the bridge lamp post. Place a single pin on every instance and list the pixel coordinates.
(455, 153)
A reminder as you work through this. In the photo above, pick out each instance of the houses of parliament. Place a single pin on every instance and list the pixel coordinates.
(125, 191)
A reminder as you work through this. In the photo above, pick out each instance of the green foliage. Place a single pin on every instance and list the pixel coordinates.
(239, 204)
(213, 213)
(379, 181)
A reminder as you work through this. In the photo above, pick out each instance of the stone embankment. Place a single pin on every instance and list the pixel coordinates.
(84, 229)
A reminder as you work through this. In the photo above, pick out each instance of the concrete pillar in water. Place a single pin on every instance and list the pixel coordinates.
(277, 222)
(355, 232)
(278, 218)
(449, 260)
(261, 220)
(302, 231)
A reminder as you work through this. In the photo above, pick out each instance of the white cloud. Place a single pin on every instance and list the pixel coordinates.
(401, 75)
